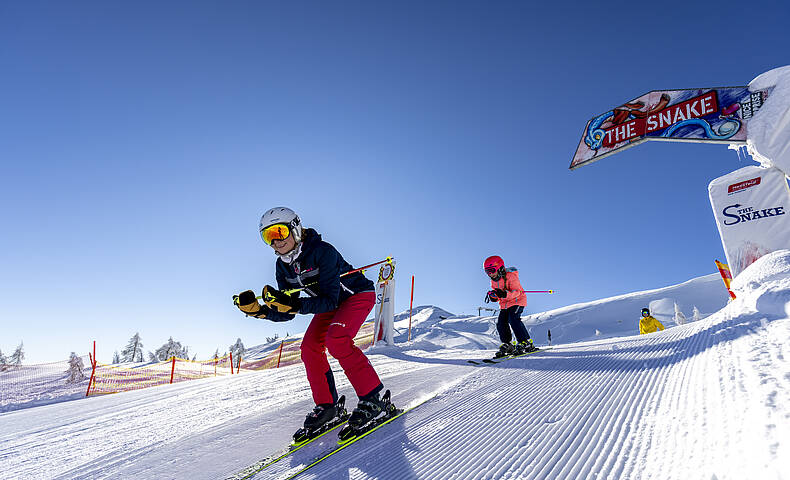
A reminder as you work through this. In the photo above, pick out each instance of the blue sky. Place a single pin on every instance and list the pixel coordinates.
(140, 143)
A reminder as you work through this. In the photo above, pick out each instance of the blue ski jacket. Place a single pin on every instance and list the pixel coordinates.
(318, 268)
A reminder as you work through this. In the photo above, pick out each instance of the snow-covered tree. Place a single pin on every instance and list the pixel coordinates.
(237, 349)
(134, 350)
(680, 319)
(696, 316)
(3, 362)
(18, 355)
(170, 349)
(75, 369)
(116, 358)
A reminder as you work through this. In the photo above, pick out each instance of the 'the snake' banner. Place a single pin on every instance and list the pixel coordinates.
(691, 115)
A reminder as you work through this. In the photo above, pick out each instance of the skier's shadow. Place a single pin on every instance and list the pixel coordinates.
(400, 355)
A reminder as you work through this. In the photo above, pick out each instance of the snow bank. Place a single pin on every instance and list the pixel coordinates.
(769, 130)
(765, 285)
(619, 316)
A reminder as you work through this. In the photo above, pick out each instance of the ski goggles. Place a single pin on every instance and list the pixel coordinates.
(490, 270)
(278, 231)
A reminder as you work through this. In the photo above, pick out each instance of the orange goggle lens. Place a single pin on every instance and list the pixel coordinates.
(275, 232)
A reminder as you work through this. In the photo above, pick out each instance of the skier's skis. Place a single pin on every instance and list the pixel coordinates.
(353, 440)
(301, 439)
(493, 361)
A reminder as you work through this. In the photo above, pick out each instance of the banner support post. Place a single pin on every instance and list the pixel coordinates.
(411, 305)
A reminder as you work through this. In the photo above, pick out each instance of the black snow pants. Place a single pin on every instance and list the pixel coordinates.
(511, 318)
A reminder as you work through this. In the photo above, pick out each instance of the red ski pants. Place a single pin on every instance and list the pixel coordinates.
(335, 331)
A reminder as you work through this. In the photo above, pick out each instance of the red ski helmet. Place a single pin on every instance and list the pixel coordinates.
(493, 264)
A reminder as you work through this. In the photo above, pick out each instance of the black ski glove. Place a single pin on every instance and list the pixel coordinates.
(280, 301)
(247, 303)
(500, 293)
(491, 296)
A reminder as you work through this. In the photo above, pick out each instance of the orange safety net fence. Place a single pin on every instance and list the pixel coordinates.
(114, 379)
(287, 353)
(29, 385)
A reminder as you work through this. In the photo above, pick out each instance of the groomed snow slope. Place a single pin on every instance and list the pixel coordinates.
(705, 400)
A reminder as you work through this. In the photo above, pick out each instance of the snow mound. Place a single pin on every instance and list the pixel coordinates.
(619, 315)
(769, 129)
(765, 285)
(769, 267)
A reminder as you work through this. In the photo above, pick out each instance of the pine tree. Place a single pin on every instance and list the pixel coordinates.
(116, 358)
(170, 349)
(134, 350)
(75, 369)
(17, 356)
(272, 339)
(3, 362)
(696, 316)
(680, 319)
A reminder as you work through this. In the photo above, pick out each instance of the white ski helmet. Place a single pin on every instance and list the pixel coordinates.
(283, 215)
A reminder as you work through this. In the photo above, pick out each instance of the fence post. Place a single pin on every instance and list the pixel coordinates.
(215, 365)
(280, 355)
(238, 365)
(173, 369)
(93, 369)
(231, 363)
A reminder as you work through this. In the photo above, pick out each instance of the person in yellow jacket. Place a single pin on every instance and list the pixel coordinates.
(648, 323)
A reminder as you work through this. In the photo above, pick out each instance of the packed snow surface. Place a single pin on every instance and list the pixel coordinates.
(707, 399)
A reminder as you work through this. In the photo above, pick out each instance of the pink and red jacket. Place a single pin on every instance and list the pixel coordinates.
(511, 284)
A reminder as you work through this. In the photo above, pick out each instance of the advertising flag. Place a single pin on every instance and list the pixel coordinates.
(726, 276)
(750, 206)
(384, 325)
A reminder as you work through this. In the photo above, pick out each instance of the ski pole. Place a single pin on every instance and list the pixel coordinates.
(360, 269)
(538, 291)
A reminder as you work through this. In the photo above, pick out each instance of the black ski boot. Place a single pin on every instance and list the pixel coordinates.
(371, 411)
(525, 347)
(323, 418)
(320, 415)
(504, 350)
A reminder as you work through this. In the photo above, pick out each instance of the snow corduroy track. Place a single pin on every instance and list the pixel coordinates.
(606, 409)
